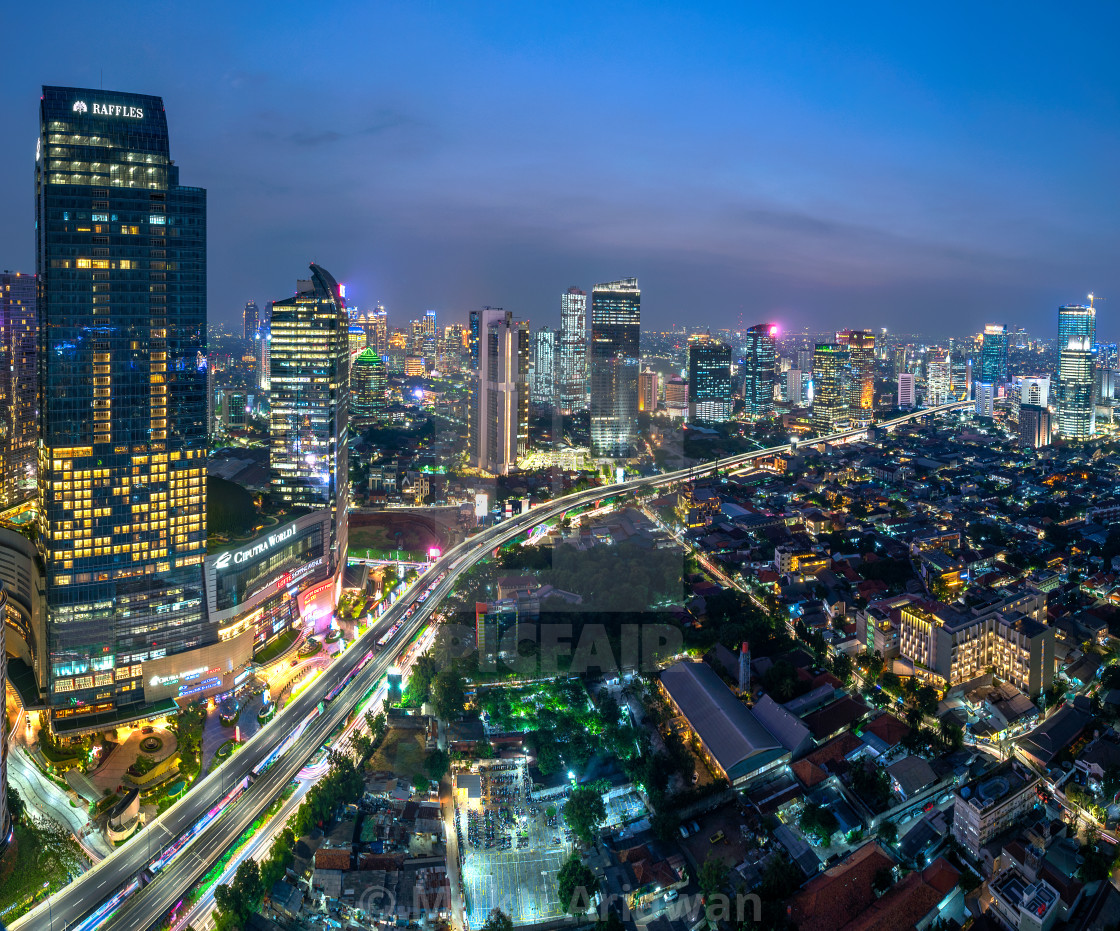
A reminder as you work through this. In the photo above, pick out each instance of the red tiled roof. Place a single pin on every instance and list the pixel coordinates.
(831, 900)
(889, 729)
(909, 901)
(809, 773)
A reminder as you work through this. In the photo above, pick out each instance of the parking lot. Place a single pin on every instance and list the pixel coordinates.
(510, 852)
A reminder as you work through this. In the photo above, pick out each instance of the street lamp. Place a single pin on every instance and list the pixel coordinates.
(50, 914)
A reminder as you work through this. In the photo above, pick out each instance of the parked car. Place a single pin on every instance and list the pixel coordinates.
(684, 831)
(671, 895)
(717, 837)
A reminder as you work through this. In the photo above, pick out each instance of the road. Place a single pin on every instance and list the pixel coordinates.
(42, 795)
(84, 896)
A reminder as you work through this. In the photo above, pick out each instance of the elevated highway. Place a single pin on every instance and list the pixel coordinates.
(136, 885)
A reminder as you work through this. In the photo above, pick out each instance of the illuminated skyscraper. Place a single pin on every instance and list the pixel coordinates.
(1077, 320)
(121, 259)
(861, 383)
(1074, 320)
(573, 351)
(647, 391)
(309, 401)
(544, 366)
(377, 330)
(356, 339)
(499, 424)
(616, 316)
(250, 320)
(1076, 405)
(938, 382)
(993, 355)
(709, 381)
(368, 383)
(758, 370)
(905, 390)
(831, 374)
(18, 387)
(1034, 426)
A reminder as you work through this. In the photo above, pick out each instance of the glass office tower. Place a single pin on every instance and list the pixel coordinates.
(831, 375)
(572, 349)
(1076, 405)
(758, 370)
(709, 381)
(368, 386)
(18, 387)
(993, 354)
(616, 315)
(121, 258)
(861, 384)
(309, 400)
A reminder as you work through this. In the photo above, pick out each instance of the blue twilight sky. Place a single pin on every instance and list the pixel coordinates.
(920, 167)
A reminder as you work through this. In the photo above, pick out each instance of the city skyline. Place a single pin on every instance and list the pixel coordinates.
(930, 197)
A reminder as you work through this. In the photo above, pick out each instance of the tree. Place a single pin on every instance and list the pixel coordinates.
(241, 898)
(437, 764)
(16, 807)
(424, 670)
(585, 812)
(576, 884)
(713, 876)
(448, 694)
(888, 832)
(818, 823)
(883, 879)
(497, 921)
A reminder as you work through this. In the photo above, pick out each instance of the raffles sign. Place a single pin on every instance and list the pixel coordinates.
(108, 109)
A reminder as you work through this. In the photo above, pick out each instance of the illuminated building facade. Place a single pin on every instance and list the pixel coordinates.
(647, 391)
(616, 316)
(906, 397)
(709, 381)
(758, 370)
(18, 387)
(1034, 426)
(309, 401)
(938, 382)
(377, 330)
(544, 366)
(500, 397)
(250, 320)
(830, 389)
(993, 355)
(861, 380)
(572, 348)
(1076, 405)
(253, 588)
(1009, 635)
(121, 259)
(368, 385)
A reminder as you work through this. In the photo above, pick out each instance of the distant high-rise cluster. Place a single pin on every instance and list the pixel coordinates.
(615, 331)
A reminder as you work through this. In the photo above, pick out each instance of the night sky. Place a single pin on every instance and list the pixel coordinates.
(822, 164)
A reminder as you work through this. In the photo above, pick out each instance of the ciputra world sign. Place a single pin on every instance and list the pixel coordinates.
(109, 109)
